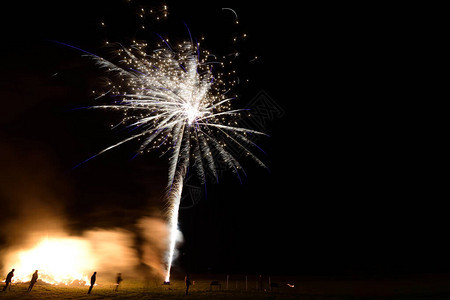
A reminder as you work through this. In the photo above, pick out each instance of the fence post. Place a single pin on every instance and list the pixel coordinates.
(228, 277)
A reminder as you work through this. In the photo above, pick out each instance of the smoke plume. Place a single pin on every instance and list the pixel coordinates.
(35, 233)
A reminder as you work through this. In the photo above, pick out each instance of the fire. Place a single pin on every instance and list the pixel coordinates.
(62, 258)
(59, 261)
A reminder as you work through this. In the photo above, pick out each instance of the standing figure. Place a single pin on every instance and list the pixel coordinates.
(118, 281)
(34, 278)
(8, 279)
(93, 279)
(260, 282)
(187, 280)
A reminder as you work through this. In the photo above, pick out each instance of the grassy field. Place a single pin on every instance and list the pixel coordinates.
(410, 287)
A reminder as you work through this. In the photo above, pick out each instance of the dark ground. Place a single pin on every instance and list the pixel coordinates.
(426, 286)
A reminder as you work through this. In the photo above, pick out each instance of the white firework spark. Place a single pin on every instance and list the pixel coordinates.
(172, 100)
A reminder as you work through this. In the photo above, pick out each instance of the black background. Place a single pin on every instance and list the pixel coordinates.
(351, 188)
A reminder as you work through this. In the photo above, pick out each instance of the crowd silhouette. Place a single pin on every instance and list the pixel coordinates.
(35, 276)
(119, 279)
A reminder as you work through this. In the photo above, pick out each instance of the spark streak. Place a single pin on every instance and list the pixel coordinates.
(232, 10)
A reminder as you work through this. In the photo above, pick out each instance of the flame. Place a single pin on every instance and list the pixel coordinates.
(65, 259)
(59, 261)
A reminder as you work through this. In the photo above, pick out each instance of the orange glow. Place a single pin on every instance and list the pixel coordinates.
(59, 261)
(65, 259)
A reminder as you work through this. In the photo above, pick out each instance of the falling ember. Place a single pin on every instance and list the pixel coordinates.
(59, 261)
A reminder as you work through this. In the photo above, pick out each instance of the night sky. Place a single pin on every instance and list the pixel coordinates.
(349, 190)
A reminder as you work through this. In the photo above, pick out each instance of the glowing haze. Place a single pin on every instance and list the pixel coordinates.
(59, 261)
(65, 259)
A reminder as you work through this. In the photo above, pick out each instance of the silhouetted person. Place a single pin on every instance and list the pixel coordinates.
(93, 279)
(34, 278)
(260, 282)
(118, 281)
(8, 279)
(187, 280)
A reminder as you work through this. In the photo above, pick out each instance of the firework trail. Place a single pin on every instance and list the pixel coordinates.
(173, 101)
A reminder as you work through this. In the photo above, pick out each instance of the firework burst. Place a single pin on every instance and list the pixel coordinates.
(173, 100)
